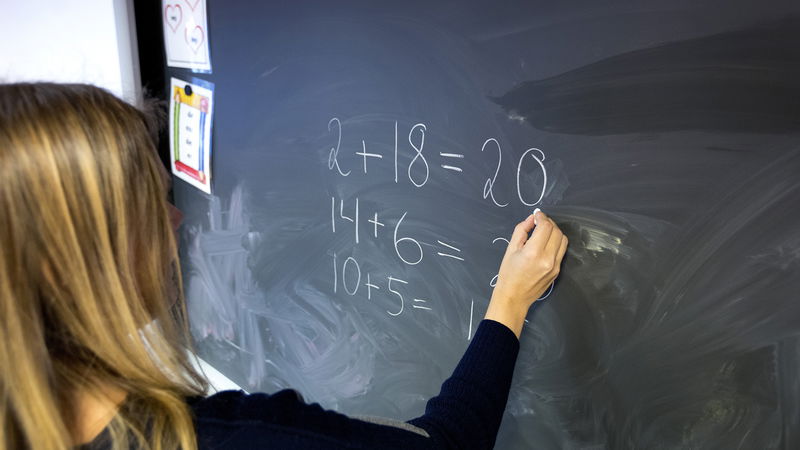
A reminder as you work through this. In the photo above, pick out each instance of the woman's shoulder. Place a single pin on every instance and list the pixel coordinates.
(239, 405)
(235, 419)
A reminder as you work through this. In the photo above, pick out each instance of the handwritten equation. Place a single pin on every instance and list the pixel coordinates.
(349, 216)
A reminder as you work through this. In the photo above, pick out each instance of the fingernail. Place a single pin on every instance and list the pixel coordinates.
(535, 221)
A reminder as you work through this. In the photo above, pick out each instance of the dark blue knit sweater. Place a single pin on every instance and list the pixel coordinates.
(465, 415)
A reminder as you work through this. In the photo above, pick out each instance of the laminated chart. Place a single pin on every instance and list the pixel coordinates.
(190, 132)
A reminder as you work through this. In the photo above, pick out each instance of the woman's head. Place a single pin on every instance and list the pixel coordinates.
(86, 256)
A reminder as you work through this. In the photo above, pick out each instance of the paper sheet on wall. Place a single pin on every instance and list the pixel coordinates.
(186, 34)
(190, 111)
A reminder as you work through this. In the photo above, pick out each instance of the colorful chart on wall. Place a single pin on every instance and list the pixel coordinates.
(190, 112)
(186, 34)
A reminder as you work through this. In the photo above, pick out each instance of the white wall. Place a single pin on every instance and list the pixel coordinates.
(86, 41)
(83, 41)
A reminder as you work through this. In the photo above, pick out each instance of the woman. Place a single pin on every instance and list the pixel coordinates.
(93, 352)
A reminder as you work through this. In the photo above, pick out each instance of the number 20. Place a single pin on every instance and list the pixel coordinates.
(488, 187)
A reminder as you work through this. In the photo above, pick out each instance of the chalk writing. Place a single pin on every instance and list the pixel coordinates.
(451, 155)
(488, 187)
(471, 315)
(530, 182)
(448, 255)
(374, 221)
(344, 275)
(412, 241)
(399, 295)
(366, 155)
(351, 274)
(419, 306)
(532, 152)
(333, 155)
(370, 287)
(418, 170)
(418, 156)
(352, 219)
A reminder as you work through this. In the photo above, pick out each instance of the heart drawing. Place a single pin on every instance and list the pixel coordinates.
(173, 14)
(191, 4)
(194, 38)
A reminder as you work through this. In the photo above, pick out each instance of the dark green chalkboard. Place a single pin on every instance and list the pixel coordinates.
(661, 135)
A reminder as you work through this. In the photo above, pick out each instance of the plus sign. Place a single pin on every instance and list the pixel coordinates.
(375, 223)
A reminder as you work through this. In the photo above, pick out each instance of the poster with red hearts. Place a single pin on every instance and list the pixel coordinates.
(186, 34)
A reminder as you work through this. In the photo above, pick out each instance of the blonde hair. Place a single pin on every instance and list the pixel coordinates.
(86, 257)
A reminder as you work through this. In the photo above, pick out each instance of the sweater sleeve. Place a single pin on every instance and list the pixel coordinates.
(467, 412)
(465, 415)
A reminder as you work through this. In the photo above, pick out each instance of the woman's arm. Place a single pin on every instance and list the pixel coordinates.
(468, 410)
(465, 415)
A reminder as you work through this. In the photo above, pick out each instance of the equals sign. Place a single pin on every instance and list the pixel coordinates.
(419, 300)
(448, 255)
(451, 155)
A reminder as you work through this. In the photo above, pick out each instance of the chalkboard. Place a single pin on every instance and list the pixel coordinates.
(370, 158)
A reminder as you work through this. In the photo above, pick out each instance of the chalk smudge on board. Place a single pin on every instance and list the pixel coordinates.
(740, 81)
(286, 334)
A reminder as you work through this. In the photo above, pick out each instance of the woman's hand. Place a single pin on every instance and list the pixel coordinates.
(529, 267)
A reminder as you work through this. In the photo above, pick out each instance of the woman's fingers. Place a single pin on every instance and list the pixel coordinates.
(520, 234)
(546, 245)
(541, 234)
(528, 269)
